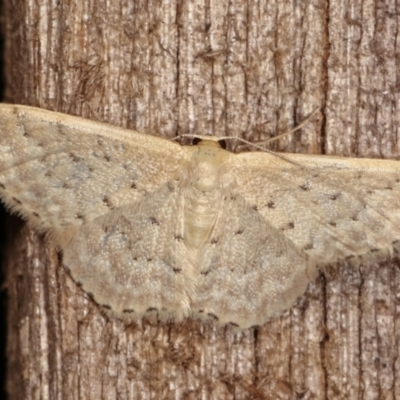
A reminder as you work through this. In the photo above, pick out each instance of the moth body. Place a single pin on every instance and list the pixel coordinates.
(202, 197)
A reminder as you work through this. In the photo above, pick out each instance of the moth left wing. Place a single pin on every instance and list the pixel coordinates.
(249, 271)
(330, 207)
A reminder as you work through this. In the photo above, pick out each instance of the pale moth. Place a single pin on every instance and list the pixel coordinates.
(147, 226)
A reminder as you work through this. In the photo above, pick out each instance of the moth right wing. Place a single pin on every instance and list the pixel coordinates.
(133, 261)
(58, 171)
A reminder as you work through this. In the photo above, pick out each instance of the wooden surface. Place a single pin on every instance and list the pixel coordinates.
(244, 69)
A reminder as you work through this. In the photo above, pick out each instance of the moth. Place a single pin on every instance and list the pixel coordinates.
(146, 225)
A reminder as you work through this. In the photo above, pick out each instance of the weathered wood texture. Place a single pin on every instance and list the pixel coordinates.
(239, 68)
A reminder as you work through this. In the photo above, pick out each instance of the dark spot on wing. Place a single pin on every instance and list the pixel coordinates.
(290, 225)
(35, 214)
(271, 204)
(279, 254)
(128, 311)
(60, 129)
(305, 186)
(80, 216)
(388, 188)
(308, 246)
(170, 187)
(177, 270)
(255, 208)
(354, 218)
(16, 200)
(239, 232)
(66, 185)
(234, 324)
(332, 223)
(205, 273)
(106, 306)
(100, 142)
(154, 221)
(2, 186)
(79, 284)
(74, 157)
(233, 198)
(214, 240)
(133, 185)
(149, 259)
(374, 250)
(179, 238)
(213, 316)
(106, 200)
(150, 309)
(107, 157)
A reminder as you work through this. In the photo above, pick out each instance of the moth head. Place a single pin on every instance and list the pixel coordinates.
(201, 140)
(221, 142)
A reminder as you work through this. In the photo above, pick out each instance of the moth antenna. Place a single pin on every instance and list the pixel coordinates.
(246, 143)
(298, 127)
